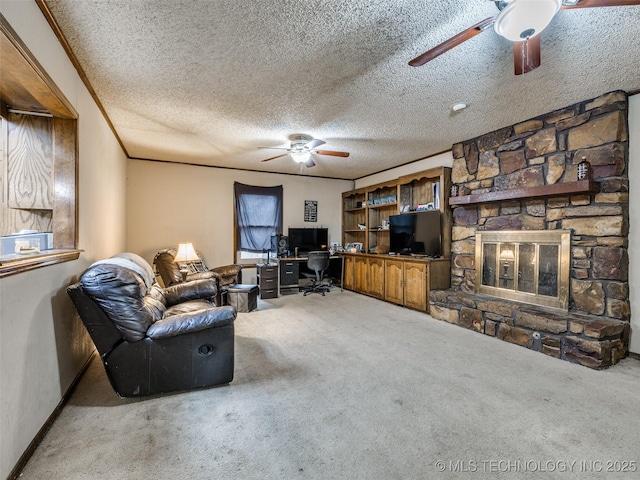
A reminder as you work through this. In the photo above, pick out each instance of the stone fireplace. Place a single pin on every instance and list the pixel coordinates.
(518, 188)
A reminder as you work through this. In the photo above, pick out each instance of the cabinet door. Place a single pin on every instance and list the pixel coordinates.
(415, 289)
(349, 273)
(361, 269)
(29, 171)
(393, 281)
(376, 277)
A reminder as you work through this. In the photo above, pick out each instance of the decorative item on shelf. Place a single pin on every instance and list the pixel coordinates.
(584, 169)
(186, 253)
(362, 226)
(454, 190)
(424, 206)
(355, 247)
(385, 225)
(436, 195)
(335, 247)
(380, 250)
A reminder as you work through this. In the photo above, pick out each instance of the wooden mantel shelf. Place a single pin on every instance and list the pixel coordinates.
(555, 190)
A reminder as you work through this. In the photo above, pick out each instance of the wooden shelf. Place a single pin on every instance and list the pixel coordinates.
(12, 264)
(355, 230)
(354, 209)
(381, 205)
(555, 190)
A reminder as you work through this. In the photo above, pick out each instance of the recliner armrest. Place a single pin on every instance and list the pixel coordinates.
(203, 275)
(228, 270)
(195, 321)
(197, 289)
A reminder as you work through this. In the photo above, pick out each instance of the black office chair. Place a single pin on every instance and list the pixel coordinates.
(318, 262)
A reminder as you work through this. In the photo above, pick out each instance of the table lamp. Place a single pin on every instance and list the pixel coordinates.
(186, 253)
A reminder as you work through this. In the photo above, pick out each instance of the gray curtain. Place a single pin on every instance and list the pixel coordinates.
(258, 216)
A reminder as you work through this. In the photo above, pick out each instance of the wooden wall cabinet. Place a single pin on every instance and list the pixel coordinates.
(415, 286)
(354, 217)
(366, 210)
(403, 281)
(408, 282)
(369, 275)
(376, 277)
(394, 281)
(349, 273)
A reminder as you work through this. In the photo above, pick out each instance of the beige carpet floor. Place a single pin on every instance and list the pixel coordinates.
(348, 387)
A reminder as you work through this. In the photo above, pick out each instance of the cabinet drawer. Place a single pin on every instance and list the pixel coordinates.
(289, 273)
(268, 282)
(269, 272)
(269, 293)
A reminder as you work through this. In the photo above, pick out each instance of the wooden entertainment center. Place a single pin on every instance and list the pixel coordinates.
(403, 280)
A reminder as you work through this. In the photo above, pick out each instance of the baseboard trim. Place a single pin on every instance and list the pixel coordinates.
(634, 355)
(22, 462)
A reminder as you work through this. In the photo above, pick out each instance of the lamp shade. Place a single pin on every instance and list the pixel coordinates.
(522, 19)
(506, 255)
(186, 253)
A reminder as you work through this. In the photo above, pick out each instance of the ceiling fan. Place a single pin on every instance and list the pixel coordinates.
(520, 21)
(301, 149)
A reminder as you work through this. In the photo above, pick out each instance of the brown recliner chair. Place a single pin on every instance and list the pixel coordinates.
(170, 273)
(154, 340)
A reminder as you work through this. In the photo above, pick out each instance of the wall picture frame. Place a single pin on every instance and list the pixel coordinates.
(310, 210)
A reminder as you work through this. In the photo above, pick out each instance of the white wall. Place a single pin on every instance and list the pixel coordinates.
(171, 203)
(441, 160)
(43, 345)
(634, 221)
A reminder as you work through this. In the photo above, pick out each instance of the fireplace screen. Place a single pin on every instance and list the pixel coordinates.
(527, 266)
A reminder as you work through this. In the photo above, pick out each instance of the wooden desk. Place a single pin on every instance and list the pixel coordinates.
(289, 276)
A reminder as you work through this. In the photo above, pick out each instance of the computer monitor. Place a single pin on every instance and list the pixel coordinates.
(308, 239)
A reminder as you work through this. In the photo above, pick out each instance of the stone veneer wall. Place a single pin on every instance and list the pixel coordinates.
(541, 151)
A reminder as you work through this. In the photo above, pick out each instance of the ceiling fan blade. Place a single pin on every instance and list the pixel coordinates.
(602, 3)
(332, 153)
(273, 158)
(314, 143)
(526, 55)
(452, 42)
(276, 148)
(309, 163)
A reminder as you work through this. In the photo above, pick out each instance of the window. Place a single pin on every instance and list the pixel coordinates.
(258, 217)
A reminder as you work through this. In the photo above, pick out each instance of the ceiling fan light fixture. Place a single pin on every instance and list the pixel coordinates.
(523, 19)
(300, 157)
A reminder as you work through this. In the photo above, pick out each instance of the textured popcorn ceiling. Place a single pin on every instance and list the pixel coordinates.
(210, 81)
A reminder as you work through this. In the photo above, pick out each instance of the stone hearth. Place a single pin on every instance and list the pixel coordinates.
(586, 339)
(541, 152)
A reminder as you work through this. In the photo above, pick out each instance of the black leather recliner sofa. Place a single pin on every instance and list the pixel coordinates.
(154, 340)
(170, 273)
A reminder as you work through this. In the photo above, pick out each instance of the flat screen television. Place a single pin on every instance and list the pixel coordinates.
(415, 233)
(308, 239)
